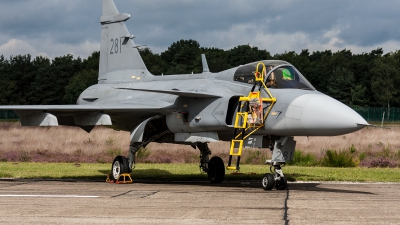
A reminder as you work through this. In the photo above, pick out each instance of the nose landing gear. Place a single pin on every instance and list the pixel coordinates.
(275, 178)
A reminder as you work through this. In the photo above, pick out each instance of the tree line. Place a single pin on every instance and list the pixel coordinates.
(367, 79)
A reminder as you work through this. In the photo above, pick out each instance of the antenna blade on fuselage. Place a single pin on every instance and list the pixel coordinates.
(205, 65)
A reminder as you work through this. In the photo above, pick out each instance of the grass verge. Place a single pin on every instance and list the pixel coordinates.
(191, 172)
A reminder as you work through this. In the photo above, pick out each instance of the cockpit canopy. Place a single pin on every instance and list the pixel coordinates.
(280, 74)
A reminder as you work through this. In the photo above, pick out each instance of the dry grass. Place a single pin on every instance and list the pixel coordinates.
(103, 144)
(60, 139)
(371, 140)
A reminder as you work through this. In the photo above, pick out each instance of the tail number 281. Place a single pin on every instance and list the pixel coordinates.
(115, 46)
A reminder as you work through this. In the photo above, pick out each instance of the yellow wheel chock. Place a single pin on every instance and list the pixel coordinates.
(124, 178)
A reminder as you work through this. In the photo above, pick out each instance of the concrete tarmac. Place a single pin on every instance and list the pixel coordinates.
(82, 202)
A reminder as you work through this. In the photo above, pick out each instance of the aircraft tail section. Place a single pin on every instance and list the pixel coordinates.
(120, 60)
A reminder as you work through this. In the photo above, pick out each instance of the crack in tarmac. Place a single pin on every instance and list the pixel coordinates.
(145, 195)
(285, 214)
(115, 196)
(148, 195)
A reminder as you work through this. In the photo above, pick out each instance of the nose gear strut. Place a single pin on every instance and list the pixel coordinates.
(280, 180)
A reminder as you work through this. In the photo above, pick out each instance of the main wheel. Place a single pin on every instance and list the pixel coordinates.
(281, 184)
(268, 181)
(119, 166)
(216, 170)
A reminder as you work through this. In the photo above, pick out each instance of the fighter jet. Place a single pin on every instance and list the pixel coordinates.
(260, 105)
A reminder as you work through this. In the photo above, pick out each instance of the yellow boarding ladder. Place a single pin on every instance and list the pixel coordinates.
(250, 115)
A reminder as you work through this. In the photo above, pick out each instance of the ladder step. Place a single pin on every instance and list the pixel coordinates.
(241, 120)
(232, 168)
(235, 154)
(240, 147)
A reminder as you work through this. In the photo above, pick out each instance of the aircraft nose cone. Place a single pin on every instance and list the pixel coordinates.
(323, 115)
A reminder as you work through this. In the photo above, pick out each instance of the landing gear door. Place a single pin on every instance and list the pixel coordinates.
(284, 149)
(254, 141)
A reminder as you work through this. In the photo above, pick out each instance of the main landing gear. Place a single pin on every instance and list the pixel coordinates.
(119, 166)
(216, 170)
(123, 165)
(214, 167)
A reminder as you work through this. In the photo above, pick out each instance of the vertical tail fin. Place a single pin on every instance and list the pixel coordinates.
(120, 60)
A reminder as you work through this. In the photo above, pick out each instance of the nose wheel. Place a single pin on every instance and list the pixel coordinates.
(268, 181)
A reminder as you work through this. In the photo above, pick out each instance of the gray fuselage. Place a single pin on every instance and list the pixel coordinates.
(297, 112)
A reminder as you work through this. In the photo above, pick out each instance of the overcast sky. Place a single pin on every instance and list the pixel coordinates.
(58, 27)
